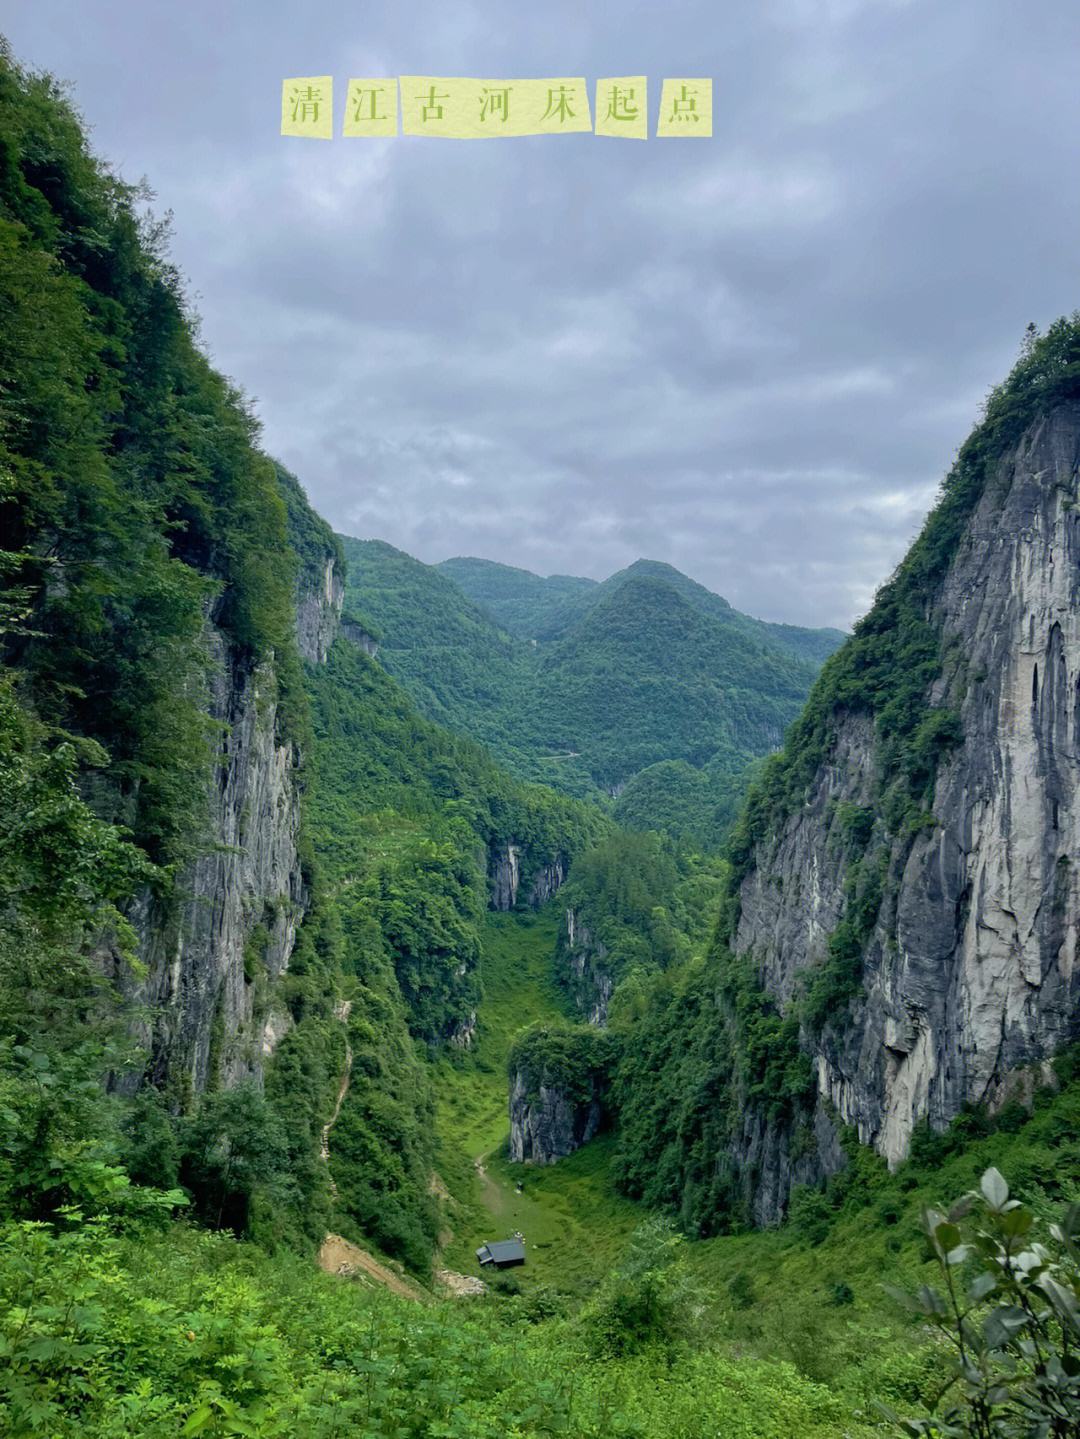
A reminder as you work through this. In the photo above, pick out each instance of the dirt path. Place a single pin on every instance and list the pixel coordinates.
(494, 1198)
(339, 1256)
(342, 1012)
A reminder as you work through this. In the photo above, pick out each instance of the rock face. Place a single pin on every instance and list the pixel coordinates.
(508, 862)
(547, 880)
(582, 955)
(971, 969)
(504, 876)
(463, 1033)
(359, 637)
(317, 611)
(546, 1123)
(212, 956)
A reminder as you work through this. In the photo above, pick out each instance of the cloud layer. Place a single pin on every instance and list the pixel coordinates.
(752, 357)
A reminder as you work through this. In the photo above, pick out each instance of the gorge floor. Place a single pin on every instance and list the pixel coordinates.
(574, 1223)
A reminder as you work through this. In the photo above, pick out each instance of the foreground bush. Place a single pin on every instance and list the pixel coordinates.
(1009, 1307)
(181, 1332)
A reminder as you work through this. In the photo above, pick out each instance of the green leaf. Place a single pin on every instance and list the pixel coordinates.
(981, 1286)
(994, 1189)
(1002, 1325)
(198, 1421)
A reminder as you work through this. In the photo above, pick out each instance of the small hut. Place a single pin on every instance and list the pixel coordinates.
(502, 1253)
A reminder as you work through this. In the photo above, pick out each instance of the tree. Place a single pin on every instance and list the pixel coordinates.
(648, 1302)
(234, 1146)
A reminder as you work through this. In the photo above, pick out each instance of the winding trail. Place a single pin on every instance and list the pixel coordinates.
(494, 1198)
(342, 1012)
(346, 1260)
(340, 1256)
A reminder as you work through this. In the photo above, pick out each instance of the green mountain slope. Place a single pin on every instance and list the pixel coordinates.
(458, 666)
(544, 609)
(521, 602)
(647, 676)
(585, 685)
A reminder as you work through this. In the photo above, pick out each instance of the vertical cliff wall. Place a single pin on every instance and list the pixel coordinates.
(559, 1079)
(511, 863)
(581, 957)
(928, 947)
(213, 951)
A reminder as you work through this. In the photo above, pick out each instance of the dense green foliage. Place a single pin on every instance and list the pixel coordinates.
(1009, 1307)
(107, 1334)
(576, 1059)
(375, 753)
(520, 602)
(644, 668)
(698, 806)
(544, 609)
(403, 816)
(644, 904)
(708, 1044)
(817, 1291)
(646, 676)
(132, 497)
(457, 665)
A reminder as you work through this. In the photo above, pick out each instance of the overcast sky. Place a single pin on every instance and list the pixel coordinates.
(753, 356)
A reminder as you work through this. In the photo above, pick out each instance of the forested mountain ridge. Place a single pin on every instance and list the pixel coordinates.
(582, 684)
(516, 599)
(533, 607)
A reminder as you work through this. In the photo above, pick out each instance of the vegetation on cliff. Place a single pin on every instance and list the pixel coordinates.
(133, 497)
(888, 666)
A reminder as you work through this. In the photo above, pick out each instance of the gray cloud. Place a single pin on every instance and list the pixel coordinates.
(752, 357)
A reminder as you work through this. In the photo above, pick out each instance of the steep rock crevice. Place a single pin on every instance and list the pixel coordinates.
(581, 956)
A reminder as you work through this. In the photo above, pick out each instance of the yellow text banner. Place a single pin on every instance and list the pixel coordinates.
(455, 108)
(370, 108)
(622, 107)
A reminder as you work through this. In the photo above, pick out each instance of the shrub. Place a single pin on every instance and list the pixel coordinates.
(1009, 1309)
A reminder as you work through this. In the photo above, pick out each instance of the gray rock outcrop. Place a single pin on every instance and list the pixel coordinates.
(547, 1123)
(971, 970)
(359, 636)
(211, 955)
(508, 865)
(504, 876)
(581, 956)
(546, 882)
(317, 610)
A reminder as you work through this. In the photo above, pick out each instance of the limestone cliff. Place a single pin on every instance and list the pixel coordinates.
(965, 950)
(581, 958)
(559, 1079)
(318, 608)
(510, 865)
(547, 1124)
(213, 953)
